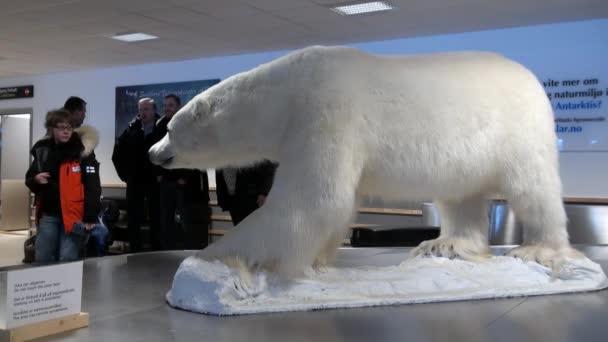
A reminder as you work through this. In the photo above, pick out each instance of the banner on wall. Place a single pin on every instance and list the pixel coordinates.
(580, 109)
(128, 96)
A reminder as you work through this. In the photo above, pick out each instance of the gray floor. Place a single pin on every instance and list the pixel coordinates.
(125, 298)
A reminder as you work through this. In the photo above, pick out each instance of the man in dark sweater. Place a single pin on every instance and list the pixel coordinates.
(184, 197)
(241, 191)
(130, 158)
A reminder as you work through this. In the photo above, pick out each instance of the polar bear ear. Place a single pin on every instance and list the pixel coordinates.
(201, 109)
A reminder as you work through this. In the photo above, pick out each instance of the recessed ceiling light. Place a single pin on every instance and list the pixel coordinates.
(365, 7)
(134, 37)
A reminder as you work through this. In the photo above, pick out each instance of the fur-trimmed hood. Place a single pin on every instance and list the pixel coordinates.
(89, 137)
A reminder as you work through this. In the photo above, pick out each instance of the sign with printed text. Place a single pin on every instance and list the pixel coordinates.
(41, 293)
(579, 106)
(19, 92)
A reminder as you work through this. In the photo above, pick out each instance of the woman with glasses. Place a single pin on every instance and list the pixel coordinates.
(64, 175)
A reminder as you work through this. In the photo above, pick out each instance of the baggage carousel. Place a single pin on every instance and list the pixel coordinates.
(124, 296)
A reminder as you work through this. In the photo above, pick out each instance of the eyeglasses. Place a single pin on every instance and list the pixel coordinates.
(64, 128)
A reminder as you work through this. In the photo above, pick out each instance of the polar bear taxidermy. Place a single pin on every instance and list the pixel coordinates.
(455, 127)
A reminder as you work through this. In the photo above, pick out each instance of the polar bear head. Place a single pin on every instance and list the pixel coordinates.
(219, 127)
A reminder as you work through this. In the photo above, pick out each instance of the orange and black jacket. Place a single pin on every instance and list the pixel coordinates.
(73, 190)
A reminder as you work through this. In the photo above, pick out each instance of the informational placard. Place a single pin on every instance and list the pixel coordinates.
(41, 293)
(580, 109)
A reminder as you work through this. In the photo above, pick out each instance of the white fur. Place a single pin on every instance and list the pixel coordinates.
(455, 127)
(89, 137)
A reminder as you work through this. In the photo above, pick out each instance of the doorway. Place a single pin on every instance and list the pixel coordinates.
(15, 142)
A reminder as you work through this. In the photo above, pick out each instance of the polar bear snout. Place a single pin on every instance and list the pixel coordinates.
(161, 153)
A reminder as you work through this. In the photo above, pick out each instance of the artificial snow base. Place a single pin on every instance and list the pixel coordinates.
(214, 288)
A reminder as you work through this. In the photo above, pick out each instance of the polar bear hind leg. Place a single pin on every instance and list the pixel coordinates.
(535, 196)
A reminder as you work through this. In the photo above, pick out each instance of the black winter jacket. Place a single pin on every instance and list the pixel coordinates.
(48, 156)
(130, 155)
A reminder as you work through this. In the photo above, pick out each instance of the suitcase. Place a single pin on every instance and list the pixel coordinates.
(393, 236)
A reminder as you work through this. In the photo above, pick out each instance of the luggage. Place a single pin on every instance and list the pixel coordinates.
(392, 236)
(29, 250)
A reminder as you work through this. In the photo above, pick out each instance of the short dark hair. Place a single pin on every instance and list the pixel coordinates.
(57, 116)
(74, 103)
(175, 98)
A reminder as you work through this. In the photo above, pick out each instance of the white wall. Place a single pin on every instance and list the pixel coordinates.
(561, 50)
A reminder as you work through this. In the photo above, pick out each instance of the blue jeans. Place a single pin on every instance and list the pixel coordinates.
(52, 243)
(99, 235)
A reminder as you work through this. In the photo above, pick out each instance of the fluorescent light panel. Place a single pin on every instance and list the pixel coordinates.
(366, 7)
(134, 37)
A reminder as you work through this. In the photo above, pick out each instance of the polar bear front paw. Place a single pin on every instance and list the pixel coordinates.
(553, 258)
(244, 262)
(452, 248)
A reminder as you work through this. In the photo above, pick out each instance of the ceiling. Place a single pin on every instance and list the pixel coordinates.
(45, 36)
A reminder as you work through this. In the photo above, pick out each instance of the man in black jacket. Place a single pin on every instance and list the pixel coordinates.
(241, 191)
(90, 138)
(130, 158)
(184, 197)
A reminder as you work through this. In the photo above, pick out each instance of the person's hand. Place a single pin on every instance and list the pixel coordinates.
(89, 226)
(181, 181)
(135, 122)
(42, 178)
(159, 178)
(261, 200)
